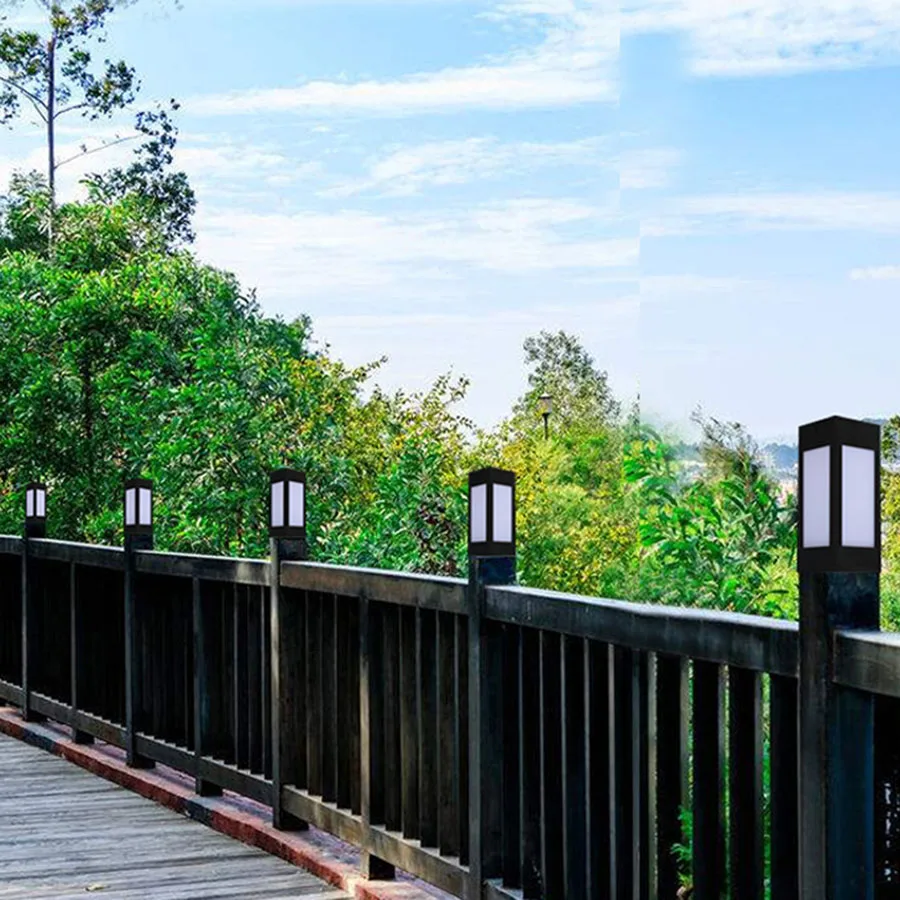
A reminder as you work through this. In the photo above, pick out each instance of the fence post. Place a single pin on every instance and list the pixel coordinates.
(492, 561)
(287, 541)
(138, 519)
(838, 560)
(35, 527)
(76, 666)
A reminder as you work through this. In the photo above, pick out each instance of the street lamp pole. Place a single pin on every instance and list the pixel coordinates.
(546, 409)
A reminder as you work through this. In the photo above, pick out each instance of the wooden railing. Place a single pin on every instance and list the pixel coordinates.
(422, 719)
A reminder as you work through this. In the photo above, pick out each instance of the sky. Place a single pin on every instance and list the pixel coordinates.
(705, 192)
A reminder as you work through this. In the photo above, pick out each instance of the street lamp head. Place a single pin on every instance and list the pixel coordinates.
(546, 404)
(839, 499)
(138, 507)
(492, 513)
(287, 504)
(35, 509)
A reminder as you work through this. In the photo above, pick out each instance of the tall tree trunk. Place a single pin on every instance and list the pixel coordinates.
(51, 135)
(87, 412)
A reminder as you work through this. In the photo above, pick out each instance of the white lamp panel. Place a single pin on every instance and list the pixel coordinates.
(295, 504)
(478, 500)
(858, 497)
(146, 507)
(503, 513)
(816, 497)
(278, 504)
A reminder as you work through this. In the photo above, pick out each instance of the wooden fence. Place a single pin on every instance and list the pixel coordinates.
(429, 720)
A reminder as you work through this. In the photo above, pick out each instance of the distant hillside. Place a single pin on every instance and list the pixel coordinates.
(780, 459)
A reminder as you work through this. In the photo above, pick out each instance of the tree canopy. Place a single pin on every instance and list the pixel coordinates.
(54, 74)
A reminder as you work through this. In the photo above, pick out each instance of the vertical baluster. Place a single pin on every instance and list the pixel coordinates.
(530, 761)
(428, 724)
(601, 821)
(783, 789)
(202, 687)
(182, 619)
(551, 766)
(353, 662)
(673, 711)
(371, 706)
(448, 737)
(409, 723)
(624, 772)
(76, 652)
(226, 658)
(329, 705)
(347, 688)
(462, 724)
(708, 801)
(512, 861)
(265, 636)
(645, 773)
(239, 692)
(254, 678)
(391, 637)
(314, 692)
(746, 787)
(574, 774)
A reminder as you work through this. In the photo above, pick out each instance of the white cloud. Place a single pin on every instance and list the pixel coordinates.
(610, 311)
(576, 57)
(820, 211)
(406, 171)
(748, 37)
(318, 253)
(650, 168)
(572, 63)
(876, 273)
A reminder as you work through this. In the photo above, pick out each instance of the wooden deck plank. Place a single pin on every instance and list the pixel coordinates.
(64, 832)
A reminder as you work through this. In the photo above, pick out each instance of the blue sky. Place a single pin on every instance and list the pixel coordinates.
(707, 192)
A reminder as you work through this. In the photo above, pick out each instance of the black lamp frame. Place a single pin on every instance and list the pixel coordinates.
(285, 531)
(490, 476)
(836, 432)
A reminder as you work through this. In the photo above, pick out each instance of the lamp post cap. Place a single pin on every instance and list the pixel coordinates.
(285, 474)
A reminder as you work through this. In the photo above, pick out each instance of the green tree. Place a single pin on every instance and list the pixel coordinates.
(562, 368)
(713, 540)
(52, 74)
(118, 359)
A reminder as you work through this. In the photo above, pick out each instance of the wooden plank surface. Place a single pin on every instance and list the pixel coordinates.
(65, 832)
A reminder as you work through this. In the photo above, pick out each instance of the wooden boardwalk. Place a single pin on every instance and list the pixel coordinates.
(64, 832)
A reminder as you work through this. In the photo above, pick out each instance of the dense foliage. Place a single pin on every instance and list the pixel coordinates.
(121, 355)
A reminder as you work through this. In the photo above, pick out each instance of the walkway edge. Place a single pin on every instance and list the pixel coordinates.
(213, 812)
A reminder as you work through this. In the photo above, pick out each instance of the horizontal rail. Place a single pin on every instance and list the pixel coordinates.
(103, 730)
(868, 661)
(11, 693)
(207, 568)
(240, 781)
(445, 873)
(733, 639)
(62, 713)
(339, 822)
(10, 544)
(85, 554)
(400, 588)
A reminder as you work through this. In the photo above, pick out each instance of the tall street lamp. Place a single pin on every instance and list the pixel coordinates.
(546, 409)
